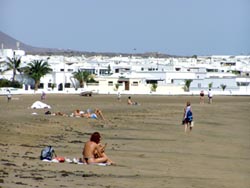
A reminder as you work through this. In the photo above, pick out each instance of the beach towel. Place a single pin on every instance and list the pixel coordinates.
(72, 161)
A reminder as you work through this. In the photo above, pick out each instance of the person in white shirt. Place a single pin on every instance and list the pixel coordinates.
(210, 96)
(9, 96)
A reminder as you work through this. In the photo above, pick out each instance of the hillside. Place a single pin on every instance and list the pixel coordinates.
(9, 42)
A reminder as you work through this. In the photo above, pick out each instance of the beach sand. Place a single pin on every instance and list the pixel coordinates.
(147, 142)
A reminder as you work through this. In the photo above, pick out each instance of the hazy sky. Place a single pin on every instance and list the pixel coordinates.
(176, 27)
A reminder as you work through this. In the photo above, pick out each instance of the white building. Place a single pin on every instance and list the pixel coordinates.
(137, 75)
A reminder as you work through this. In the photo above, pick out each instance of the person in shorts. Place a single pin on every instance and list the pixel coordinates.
(202, 97)
(188, 117)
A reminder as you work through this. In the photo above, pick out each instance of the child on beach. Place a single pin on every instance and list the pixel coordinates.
(188, 117)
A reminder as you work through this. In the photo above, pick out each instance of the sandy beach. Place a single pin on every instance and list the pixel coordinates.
(147, 142)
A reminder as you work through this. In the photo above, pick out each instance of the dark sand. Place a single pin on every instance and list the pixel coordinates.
(147, 142)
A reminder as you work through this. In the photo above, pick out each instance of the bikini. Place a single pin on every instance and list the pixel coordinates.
(87, 158)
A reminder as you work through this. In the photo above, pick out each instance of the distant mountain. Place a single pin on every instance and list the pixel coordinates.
(9, 42)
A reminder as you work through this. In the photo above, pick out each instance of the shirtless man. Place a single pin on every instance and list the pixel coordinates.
(202, 97)
(93, 152)
(130, 102)
(77, 113)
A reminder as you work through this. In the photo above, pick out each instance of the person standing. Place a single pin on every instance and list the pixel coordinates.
(210, 96)
(119, 96)
(43, 96)
(202, 97)
(9, 96)
(188, 117)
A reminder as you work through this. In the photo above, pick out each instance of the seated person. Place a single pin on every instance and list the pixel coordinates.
(130, 102)
(93, 151)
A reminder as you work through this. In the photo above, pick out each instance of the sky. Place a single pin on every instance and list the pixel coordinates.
(174, 27)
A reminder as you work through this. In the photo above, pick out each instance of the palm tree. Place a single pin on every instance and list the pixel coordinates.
(14, 64)
(36, 70)
(210, 85)
(153, 87)
(117, 85)
(223, 86)
(81, 76)
(187, 85)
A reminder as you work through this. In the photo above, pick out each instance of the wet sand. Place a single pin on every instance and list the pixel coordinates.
(147, 142)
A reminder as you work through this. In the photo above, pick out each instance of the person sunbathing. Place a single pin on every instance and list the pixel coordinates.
(55, 113)
(77, 113)
(59, 114)
(93, 151)
(97, 114)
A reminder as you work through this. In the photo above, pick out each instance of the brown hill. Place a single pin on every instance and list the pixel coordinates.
(9, 42)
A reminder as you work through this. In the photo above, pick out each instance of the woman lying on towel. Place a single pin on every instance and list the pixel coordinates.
(95, 115)
(93, 151)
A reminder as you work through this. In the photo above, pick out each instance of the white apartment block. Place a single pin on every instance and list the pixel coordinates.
(136, 75)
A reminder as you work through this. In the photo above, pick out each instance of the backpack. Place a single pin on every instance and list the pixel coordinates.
(47, 153)
(190, 115)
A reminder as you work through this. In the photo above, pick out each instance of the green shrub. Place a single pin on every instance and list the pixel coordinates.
(7, 83)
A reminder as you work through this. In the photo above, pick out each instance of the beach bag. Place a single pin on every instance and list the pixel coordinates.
(47, 153)
(190, 115)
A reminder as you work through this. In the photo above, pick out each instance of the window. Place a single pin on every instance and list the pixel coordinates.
(177, 69)
(67, 85)
(110, 83)
(51, 85)
(41, 86)
(61, 70)
(135, 84)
